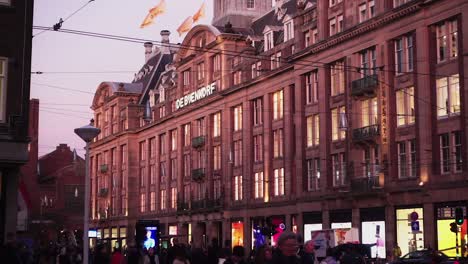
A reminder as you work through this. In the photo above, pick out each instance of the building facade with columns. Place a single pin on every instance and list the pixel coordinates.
(316, 115)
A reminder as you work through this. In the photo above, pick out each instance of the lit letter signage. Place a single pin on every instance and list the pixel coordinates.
(195, 96)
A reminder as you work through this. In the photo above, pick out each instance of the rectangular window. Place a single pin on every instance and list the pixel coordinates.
(332, 23)
(254, 70)
(445, 153)
(237, 118)
(447, 40)
(315, 37)
(174, 169)
(404, 54)
(217, 125)
(187, 193)
(173, 198)
(268, 41)
(237, 77)
(368, 62)
(250, 4)
(313, 174)
(237, 188)
(278, 143)
(201, 130)
(316, 136)
(216, 62)
(397, 3)
(216, 188)
(405, 106)
(186, 79)
(163, 199)
(174, 140)
(152, 174)
(201, 71)
(339, 169)
(369, 112)
(259, 185)
(237, 153)
(187, 166)
(152, 201)
(307, 40)
(278, 175)
(313, 130)
(187, 135)
(288, 30)
(457, 151)
(143, 151)
(142, 177)
(216, 157)
(366, 11)
(340, 23)
(258, 148)
(142, 202)
(162, 144)
(337, 78)
(311, 82)
(448, 96)
(258, 111)
(339, 123)
(162, 172)
(278, 105)
(407, 166)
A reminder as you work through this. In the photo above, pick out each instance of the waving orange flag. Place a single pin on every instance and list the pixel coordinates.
(185, 26)
(154, 12)
(200, 13)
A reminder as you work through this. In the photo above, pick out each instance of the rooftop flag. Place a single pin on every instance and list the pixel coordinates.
(185, 26)
(153, 13)
(200, 13)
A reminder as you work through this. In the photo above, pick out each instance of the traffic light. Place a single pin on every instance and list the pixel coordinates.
(453, 227)
(459, 218)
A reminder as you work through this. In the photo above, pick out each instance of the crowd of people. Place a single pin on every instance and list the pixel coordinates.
(288, 250)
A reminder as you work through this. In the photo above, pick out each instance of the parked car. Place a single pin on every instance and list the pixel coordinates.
(424, 256)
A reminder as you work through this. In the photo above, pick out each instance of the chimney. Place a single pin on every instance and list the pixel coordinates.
(148, 50)
(165, 45)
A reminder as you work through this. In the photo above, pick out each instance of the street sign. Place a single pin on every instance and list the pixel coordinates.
(415, 226)
(414, 216)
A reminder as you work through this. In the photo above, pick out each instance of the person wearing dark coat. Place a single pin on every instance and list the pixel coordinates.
(237, 256)
(287, 249)
(307, 254)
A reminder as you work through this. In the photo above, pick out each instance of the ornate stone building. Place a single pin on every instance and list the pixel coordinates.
(315, 115)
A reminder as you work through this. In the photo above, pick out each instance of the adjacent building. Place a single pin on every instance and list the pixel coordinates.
(15, 70)
(301, 116)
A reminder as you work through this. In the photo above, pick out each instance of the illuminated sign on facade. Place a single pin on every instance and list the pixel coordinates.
(195, 96)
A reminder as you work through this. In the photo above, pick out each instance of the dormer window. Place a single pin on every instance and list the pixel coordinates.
(336, 25)
(250, 4)
(269, 40)
(334, 2)
(288, 30)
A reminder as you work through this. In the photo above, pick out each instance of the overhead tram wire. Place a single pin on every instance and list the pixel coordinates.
(216, 51)
(62, 88)
(58, 25)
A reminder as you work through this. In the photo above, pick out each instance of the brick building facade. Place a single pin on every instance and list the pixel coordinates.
(319, 114)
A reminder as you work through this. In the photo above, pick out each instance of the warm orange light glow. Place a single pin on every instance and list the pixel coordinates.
(237, 229)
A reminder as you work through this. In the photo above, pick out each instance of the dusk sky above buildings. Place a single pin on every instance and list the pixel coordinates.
(75, 65)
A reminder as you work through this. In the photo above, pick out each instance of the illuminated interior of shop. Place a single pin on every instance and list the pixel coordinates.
(237, 229)
(341, 225)
(446, 238)
(409, 240)
(373, 232)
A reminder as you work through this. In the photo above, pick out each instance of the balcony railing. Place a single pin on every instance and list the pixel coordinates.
(104, 168)
(198, 141)
(205, 204)
(365, 184)
(366, 133)
(366, 85)
(183, 206)
(198, 174)
(103, 192)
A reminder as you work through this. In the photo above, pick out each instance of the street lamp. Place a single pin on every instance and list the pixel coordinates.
(87, 133)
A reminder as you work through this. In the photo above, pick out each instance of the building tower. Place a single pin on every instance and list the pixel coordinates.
(239, 13)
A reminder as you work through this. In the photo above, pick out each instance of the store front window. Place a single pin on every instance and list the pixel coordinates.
(278, 227)
(123, 237)
(341, 225)
(445, 237)
(237, 229)
(114, 237)
(373, 232)
(408, 239)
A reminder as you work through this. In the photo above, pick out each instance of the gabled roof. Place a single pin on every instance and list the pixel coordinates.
(155, 76)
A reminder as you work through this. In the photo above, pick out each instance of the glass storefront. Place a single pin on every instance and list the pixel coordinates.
(407, 239)
(237, 233)
(123, 237)
(278, 225)
(114, 238)
(446, 238)
(373, 232)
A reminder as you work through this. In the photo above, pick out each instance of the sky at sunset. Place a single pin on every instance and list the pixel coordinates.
(75, 65)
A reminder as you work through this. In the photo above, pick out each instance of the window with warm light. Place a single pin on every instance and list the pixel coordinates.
(338, 116)
(447, 40)
(238, 188)
(163, 195)
(311, 85)
(369, 112)
(448, 96)
(173, 139)
(173, 198)
(405, 106)
(313, 130)
(162, 144)
(278, 143)
(217, 125)
(187, 135)
(337, 78)
(200, 71)
(278, 178)
(142, 202)
(278, 105)
(259, 182)
(237, 118)
(216, 157)
(152, 201)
